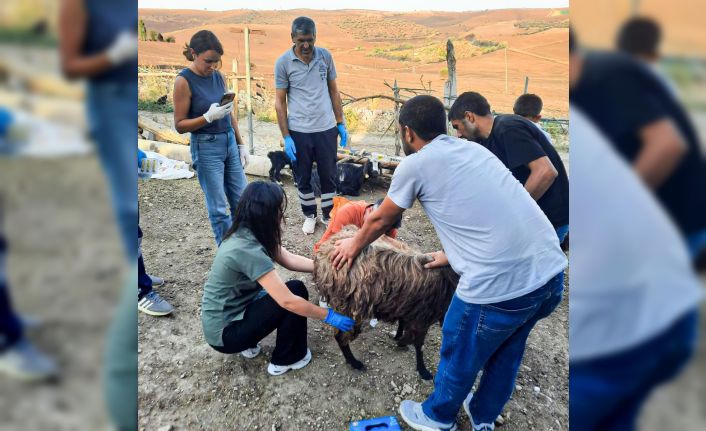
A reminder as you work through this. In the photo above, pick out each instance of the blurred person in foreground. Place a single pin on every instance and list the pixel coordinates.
(18, 356)
(634, 295)
(641, 37)
(650, 129)
(98, 42)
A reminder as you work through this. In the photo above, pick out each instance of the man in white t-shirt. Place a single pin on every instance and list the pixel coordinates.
(497, 239)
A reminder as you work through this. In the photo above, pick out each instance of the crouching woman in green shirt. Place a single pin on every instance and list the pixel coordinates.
(244, 298)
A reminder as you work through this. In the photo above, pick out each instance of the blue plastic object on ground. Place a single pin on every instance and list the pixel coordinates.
(385, 423)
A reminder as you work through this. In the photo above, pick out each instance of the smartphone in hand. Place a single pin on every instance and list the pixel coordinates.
(227, 98)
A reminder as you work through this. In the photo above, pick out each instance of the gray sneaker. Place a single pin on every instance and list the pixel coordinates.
(324, 220)
(414, 416)
(154, 305)
(251, 352)
(23, 361)
(156, 281)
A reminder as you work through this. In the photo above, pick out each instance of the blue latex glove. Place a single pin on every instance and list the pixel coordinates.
(344, 134)
(140, 157)
(339, 321)
(6, 121)
(290, 148)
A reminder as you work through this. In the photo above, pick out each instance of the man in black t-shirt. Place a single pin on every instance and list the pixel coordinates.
(650, 129)
(523, 148)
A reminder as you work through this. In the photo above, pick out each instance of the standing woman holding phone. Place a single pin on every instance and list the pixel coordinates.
(217, 150)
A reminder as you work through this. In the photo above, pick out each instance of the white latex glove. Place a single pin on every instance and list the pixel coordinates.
(244, 156)
(216, 112)
(124, 48)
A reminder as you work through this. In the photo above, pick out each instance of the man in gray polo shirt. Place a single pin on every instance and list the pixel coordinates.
(310, 117)
(499, 242)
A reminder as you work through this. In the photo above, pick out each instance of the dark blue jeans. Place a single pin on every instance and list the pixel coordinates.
(491, 337)
(607, 393)
(10, 325)
(144, 282)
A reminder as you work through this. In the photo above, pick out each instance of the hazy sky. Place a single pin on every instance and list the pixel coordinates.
(393, 5)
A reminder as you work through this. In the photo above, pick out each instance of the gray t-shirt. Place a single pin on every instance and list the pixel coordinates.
(308, 101)
(232, 284)
(496, 237)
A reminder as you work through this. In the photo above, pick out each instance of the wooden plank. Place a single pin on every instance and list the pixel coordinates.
(40, 82)
(162, 133)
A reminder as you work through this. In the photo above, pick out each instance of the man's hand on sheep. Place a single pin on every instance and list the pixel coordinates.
(344, 253)
(339, 321)
(440, 260)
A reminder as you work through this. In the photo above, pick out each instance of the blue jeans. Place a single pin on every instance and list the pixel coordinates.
(216, 159)
(608, 393)
(561, 232)
(491, 337)
(112, 115)
(696, 243)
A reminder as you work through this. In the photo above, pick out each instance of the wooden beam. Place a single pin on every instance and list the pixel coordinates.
(161, 132)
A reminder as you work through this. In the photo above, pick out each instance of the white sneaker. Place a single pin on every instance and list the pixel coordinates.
(322, 302)
(309, 225)
(252, 352)
(324, 220)
(276, 370)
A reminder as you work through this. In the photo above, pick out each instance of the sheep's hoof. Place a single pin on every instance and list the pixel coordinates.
(425, 374)
(357, 365)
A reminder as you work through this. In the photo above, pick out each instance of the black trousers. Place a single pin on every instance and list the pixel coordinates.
(262, 317)
(319, 147)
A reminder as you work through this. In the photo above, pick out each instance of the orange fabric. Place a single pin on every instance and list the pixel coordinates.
(350, 212)
(338, 202)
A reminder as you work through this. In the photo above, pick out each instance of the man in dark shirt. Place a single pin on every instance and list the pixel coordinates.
(650, 129)
(523, 148)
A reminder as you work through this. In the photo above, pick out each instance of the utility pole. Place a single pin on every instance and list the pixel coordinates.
(506, 68)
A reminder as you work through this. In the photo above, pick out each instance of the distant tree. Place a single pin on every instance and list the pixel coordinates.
(170, 39)
(142, 30)
(153, 35)
(160, 38)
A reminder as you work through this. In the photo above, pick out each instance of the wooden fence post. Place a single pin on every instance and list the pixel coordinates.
(398, 142)
(248, 84)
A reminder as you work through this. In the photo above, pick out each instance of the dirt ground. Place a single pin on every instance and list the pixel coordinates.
(64, 270)
(187, 385)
